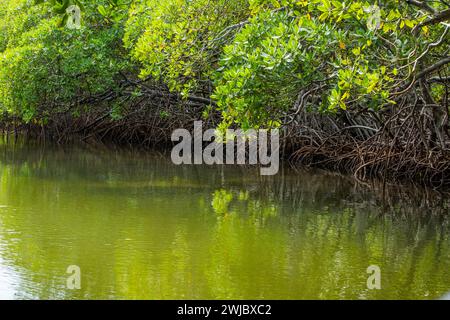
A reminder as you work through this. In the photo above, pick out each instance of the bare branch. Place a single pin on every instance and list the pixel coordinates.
(422, 5)
(433, 67)
(438, 18)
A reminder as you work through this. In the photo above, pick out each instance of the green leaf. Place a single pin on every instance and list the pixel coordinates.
(63, 21)
(102, 10)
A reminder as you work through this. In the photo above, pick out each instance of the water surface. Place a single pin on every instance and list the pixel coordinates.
(141, 228)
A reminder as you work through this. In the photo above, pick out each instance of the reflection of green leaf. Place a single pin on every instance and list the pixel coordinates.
(243, 195)
(221, 201)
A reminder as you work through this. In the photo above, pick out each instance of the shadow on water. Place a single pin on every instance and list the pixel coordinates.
(141, 228)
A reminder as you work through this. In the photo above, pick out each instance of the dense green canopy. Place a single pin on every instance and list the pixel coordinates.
(254, 58)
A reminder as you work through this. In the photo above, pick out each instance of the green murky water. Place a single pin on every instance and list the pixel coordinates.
(141, 228)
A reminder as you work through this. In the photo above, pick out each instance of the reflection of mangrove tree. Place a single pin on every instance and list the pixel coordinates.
(140, 227)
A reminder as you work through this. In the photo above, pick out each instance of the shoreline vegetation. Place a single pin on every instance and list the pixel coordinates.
(360, 87)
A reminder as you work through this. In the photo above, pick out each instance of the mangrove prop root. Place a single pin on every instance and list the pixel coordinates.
(408, 140)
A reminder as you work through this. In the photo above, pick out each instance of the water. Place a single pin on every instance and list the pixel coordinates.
(141, 228)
